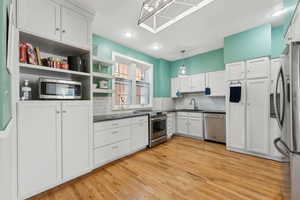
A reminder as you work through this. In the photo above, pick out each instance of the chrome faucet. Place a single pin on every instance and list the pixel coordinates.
(194, 102)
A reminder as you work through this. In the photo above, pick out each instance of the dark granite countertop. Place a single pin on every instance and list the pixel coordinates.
(198, 111)
(102, 118)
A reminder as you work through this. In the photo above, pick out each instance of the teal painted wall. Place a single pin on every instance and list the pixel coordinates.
(210, 61)
(162, 75)
(161, 67)
(289, 6)
(277, 41)
(249, 44)
(5, 100)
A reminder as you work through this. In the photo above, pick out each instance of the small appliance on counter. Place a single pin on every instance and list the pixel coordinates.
(59, 89)
(77, 63)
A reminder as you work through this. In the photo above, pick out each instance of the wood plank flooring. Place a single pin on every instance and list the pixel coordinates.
(182, 168)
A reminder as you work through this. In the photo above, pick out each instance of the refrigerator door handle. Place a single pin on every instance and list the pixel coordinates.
(283, 152)
(279, 116)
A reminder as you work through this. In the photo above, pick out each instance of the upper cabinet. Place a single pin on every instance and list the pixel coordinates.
(60, 22)
(235, 71)
(258, 68)
(198, 83)
(75, 27)
(216, 83)
(41, 17)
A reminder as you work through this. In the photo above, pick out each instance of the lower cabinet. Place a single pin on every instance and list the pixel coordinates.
(190, 124)
(139, 136)
(117, 138)
(53, 144)
(75, 139)
(39, 157)
(171, 124)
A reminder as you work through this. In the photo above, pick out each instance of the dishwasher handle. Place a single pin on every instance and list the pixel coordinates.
(216, 116)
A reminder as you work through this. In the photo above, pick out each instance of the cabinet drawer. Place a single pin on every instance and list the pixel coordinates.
(182, 114)
(111, 124)
(111, 152)
(138, 120)
(109, 136)
(196, 115)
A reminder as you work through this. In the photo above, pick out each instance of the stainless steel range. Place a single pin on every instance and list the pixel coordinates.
(157, 127)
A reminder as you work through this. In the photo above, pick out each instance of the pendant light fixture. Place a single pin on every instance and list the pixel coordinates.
(182, 69)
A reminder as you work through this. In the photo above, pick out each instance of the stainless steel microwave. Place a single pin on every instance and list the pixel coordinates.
(59, 89)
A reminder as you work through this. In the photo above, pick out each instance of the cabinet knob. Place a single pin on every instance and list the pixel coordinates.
(64, 31)
(57, 29)
(58, 112)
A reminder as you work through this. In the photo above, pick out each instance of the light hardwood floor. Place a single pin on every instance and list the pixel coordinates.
(180, 169)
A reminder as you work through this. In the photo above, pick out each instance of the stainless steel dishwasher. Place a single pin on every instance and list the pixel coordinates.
(215, 127)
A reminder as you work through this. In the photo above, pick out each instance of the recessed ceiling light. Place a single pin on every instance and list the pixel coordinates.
(278, 13)
(128, 34)
(156, 46)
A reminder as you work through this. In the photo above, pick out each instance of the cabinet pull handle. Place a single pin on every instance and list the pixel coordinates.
(116, 124)
(57, 29)
(57, 112)
(115, 132)
(114, 147)
(64, 31)
(64, 111)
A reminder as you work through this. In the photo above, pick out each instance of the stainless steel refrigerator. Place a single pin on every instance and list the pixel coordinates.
(287, 107)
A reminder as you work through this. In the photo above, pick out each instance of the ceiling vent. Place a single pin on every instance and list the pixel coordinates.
(156, 15)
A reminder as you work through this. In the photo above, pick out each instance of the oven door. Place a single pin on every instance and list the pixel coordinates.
(158, 127)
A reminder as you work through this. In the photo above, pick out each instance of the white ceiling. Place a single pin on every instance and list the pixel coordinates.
(200, 32)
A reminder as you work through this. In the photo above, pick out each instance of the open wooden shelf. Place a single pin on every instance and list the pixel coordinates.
(102, 91)
(53, 70)
(98, 60)
(102, 75)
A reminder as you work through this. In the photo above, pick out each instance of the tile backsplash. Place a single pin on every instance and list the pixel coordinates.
(103, 105)
(204, 102)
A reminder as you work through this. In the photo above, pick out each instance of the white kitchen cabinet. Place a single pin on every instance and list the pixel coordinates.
(175, 86)
(235, 71)
(139, 136)
(171, 124)
(75, 139)
(198, 83)
(217, 83)
(235, 119)
(196, 127)
(39, 150)
(258, 68)
(53, 142)
(56, 20)
(182, 125)
(275, 133)
(75, 28)
(185, 84)
(190, 124)
(40, 17)
(258, 140)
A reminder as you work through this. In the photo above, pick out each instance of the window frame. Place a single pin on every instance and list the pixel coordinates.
(133, 104)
